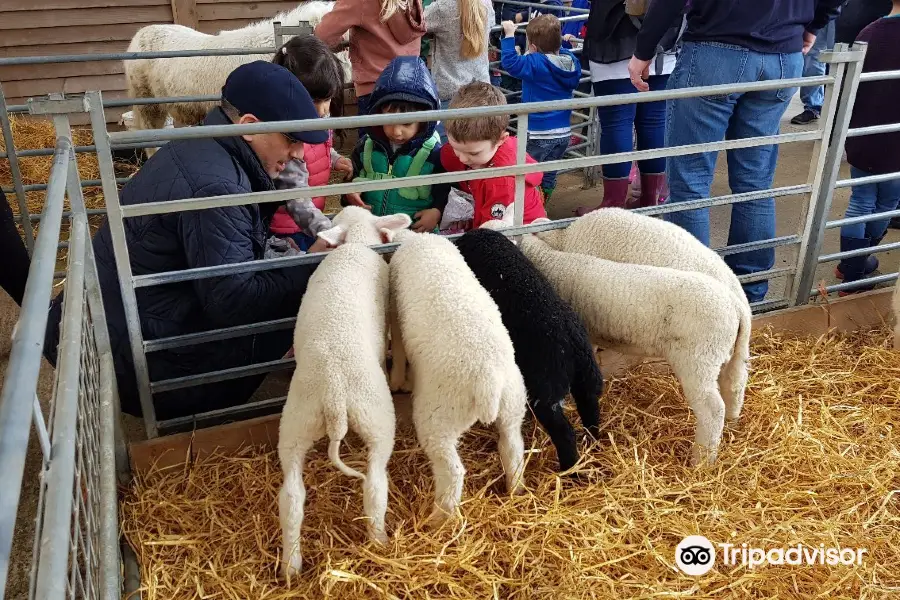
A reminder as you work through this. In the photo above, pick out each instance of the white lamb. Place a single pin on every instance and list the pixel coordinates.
(622, 236)
(462, 359)
(340, 345)
(202, 76)
(690, 319)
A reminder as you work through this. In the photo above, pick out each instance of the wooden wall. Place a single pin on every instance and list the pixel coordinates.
(52, 27)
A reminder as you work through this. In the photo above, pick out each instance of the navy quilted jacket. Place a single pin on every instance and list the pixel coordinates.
(184, 240)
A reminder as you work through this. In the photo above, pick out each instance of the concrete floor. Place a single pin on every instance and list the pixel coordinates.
(793, 168)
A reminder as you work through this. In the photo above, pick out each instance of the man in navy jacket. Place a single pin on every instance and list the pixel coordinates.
(197, 168)
(731, 42)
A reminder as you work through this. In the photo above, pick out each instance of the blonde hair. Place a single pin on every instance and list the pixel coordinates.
(473, 23)
(389, 7)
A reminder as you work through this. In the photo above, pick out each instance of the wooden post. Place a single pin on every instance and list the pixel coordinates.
(184, 12)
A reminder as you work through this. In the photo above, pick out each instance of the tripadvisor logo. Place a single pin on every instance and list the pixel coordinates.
(696, 555)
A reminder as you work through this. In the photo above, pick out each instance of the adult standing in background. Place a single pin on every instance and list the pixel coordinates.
(813, 96)
(731, 42)
(856, 15)
(14, 272)
(610, 42)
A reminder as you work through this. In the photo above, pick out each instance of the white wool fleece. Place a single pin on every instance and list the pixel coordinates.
(689, 319)
(622, 236)
(462, 361)
(340, 344)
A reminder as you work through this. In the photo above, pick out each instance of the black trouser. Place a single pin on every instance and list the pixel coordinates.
(14, 271)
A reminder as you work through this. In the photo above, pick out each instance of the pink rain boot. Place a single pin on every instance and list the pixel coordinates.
(615, 193)
(653, 188)
(634, 193)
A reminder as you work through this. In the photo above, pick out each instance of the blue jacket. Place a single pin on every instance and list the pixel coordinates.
(574, 27)
(543, 79)
(183, 240)
(407, 79)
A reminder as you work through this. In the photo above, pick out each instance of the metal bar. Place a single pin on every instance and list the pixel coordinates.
(890, 214)
(861, 252)
(785, 240)
(110, 565)
(25, 358)
(152, 208)
(54, 558)
(217, 335)
(874, 129)
(78, 58)
(67, 214)
(879, 76)
(524, 23)
(16, 173)
(213, 417)
(544, 6)
(95, 183)
(768, 274)
(838, 108)
(353, 122)
(521, 154)
(845, 183)
(40, 427)
(123, 263)
(177, 383)
(767, 305)
(852, 285)
(292, 261)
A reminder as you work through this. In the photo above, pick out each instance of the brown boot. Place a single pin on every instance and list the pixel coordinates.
(652, 188)
(615, 194)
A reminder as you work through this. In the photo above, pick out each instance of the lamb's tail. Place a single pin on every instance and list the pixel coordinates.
(486, 394)
(336, 427)
(733, 380)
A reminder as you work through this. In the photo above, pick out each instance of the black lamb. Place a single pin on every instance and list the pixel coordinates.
(553, 349)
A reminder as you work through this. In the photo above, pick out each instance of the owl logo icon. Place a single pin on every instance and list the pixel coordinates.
(695, 555)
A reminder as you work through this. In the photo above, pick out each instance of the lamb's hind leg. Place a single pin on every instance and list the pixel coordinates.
(438, 428)
(733, 385)
(701, 390)
(513, 405)
(551, 417)
(379, 439)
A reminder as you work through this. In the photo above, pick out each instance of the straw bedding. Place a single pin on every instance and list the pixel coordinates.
(814, 461)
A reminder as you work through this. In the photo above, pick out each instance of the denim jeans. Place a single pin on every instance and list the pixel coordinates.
(814, 96)
(544, 150)
(618, 125)
(729, 116)
(870, 199)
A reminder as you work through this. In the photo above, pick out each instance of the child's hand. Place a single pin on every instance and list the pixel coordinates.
(319, 245)
(426, 220)
(518, 18)
(509, 28)
(344, 166)
(354, 199)
(569, 38)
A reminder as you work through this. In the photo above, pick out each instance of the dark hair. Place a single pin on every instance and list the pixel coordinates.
(545, 33)
(477, 129)
(317, 68)
(401, 106)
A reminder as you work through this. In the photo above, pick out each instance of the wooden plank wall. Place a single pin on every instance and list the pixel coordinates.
(54, 27)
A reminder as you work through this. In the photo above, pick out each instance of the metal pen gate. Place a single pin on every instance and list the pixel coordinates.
(76, 549)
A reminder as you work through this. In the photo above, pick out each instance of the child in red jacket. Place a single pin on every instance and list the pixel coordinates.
(483, 142)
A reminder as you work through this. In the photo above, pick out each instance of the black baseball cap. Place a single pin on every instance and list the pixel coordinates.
(272, 93)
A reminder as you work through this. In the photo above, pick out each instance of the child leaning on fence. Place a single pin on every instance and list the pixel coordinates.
(482, 142)
(876, 104)
(402, 150)
(548, 72)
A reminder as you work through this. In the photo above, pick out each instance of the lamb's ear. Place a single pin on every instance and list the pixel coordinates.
(334, 236)
(389, 225)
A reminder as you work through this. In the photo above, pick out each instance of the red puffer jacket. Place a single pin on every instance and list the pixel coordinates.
(318, 162)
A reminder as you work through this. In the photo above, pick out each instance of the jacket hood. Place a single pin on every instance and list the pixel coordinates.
(406, 78)
(564, 67)
(407, 25)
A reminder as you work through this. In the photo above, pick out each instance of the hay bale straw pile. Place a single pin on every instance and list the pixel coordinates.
(814, 461)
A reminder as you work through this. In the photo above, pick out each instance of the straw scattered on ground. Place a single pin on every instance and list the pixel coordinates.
(814, 461)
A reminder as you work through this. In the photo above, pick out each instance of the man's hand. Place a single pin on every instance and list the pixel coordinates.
(518, 18)
(639, 71)
(808, 40)
(344, 166)
(509, 28)
(426, 220)
(354, 199)
(319, 245)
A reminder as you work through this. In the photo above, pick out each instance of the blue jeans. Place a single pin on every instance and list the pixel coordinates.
(814, 96)
(729, 116)
(870, 199)
(544, 150)
(618, 125)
